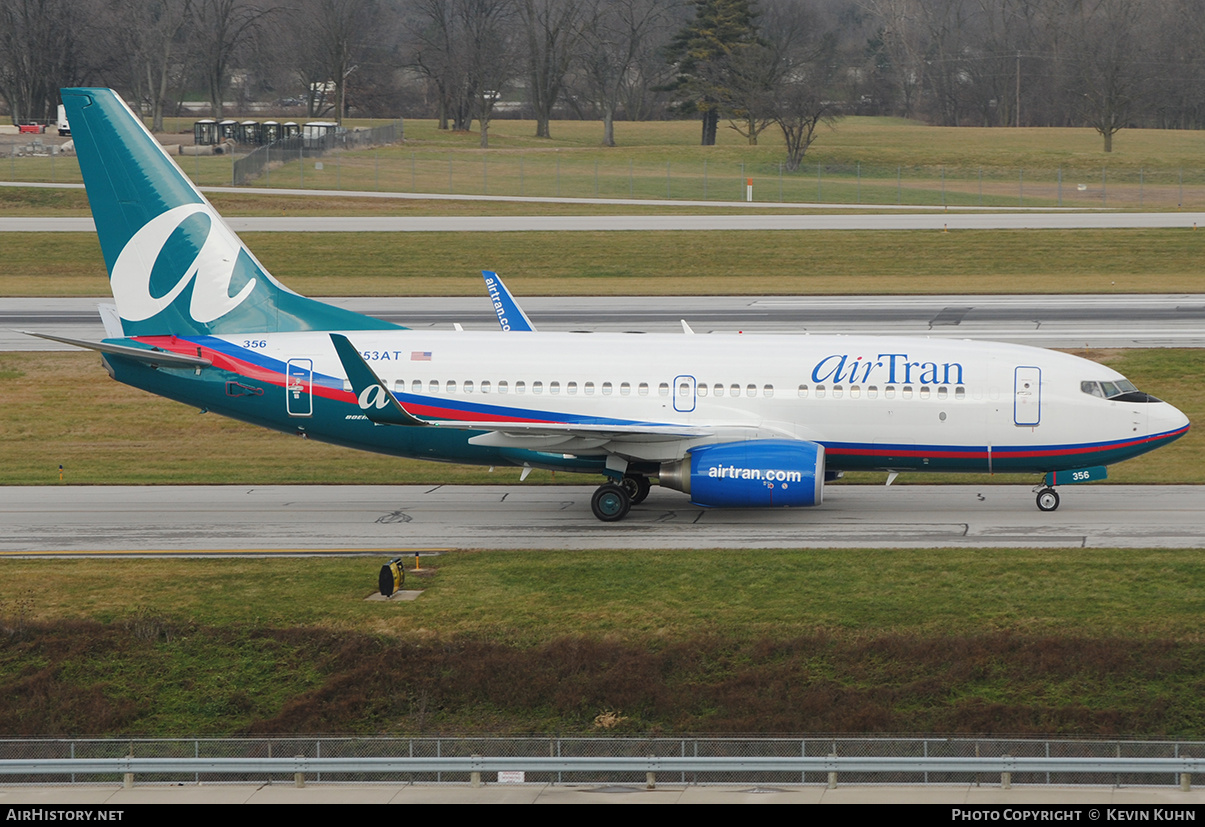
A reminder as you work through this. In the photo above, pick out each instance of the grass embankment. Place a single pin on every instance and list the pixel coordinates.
(886, 141)
(862, 160)
(1015, 642)
(106, 433)
(671, 263)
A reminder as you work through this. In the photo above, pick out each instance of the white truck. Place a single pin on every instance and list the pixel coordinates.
(64, 127)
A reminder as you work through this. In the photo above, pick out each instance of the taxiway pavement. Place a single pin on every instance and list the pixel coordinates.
(276, 520)
(1159, 320)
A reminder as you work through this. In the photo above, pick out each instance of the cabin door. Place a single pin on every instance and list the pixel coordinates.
(1027, 396)
(684, 394)
(299, 385)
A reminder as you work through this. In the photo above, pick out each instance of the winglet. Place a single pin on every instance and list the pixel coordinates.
(510, 315)
(378, 404)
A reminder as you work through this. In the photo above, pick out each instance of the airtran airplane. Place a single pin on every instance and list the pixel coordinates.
(731, 420)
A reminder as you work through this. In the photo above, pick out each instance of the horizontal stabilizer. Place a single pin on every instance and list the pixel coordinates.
(149, 355)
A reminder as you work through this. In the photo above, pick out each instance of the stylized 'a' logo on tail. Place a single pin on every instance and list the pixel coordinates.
(174, 266)
(210, 273)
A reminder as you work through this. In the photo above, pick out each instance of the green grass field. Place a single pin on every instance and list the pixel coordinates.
(1070, 642)
(879, 141)
(671, 263)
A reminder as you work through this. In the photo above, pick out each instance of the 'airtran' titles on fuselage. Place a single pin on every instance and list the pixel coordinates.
(889, 368)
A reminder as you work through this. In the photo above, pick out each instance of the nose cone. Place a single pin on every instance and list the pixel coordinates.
(1168, 421)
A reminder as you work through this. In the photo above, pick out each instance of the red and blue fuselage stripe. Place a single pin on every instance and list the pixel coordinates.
(254, 365)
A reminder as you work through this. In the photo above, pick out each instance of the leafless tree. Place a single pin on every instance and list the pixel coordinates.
(616, 35)
(1175, 86)
(224, 31)
(747, 95)
(802, 92)
(465, 50)
(552, 30)
(901, 43)
(490, 28)
(1107, 60)
(436, 46)
(297, 44)
(151, 35)
(342, 31)
(951, 59)
(43, 46)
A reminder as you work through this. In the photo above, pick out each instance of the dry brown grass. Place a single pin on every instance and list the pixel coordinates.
(672, 263)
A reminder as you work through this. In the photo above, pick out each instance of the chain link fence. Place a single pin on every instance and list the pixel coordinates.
(259, 162)
(373, 160)
(617, 747)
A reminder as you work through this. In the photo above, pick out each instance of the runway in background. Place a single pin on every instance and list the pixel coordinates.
(1168, 320)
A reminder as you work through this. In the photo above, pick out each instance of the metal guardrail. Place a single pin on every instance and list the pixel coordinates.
(694, 760)
(647, 764)
(551, 769)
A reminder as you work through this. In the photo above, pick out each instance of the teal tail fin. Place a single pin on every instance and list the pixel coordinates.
(174, 266)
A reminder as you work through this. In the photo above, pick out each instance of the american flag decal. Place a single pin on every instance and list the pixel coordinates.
(420, 356)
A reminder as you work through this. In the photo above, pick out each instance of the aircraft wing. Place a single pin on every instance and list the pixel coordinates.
(383, 408)
(640, 432)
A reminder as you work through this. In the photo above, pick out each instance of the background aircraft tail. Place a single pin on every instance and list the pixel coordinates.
(174, 266)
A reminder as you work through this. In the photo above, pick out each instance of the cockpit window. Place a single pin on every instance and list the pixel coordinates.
(1123, 390)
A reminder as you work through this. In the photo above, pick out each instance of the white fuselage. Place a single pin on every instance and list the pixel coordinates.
(862, 397)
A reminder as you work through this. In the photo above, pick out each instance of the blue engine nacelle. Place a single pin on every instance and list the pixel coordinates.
(760, 473)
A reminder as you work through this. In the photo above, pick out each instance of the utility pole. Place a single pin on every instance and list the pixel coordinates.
(343, 94)
(1018, 106)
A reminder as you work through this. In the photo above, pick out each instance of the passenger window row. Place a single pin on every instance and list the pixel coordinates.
(702, 389)
(451, 386)
(873, 392)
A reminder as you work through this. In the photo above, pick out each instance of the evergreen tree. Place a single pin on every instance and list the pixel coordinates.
(703, 53)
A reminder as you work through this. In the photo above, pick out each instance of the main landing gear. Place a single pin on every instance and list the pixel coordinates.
(1048, 499)
(638, 488)
(613, 500)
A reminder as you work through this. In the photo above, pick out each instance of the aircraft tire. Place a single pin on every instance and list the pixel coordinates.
(638, 487)
(1048, 499)
(610, 502)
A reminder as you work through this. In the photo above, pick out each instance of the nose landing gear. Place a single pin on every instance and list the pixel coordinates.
(1048, 499)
